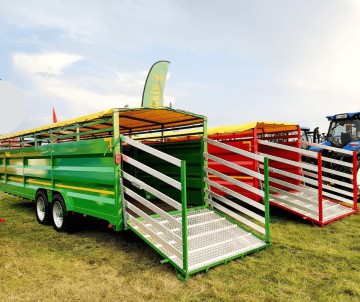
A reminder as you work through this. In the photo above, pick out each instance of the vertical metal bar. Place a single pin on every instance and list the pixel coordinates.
(204, 164)
(184, 216)
(162, 134)
(320, 197)
(355, 184)
(78, 133)
(266, 200)
(52, 159)
(118, 185)
(23, 168)
(298, 169)
(254, 145)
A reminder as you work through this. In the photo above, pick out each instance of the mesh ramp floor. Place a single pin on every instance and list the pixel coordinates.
(331, 209)
(211, 239)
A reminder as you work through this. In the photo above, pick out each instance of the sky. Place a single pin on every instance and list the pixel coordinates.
(234, 61)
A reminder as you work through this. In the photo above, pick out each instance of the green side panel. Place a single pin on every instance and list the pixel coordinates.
(82, 171)
(85, 170)
(190, 151)
(96, 171)
(85, 147)
(43, 151)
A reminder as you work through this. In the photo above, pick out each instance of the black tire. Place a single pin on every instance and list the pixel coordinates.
(60, 216)
(42, 208)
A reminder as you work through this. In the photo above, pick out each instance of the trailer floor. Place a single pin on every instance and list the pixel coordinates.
(211, 239)
(310, 209)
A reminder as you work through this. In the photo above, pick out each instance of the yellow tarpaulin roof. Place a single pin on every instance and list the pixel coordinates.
(82, 119)
(261, 126)
(131, 120)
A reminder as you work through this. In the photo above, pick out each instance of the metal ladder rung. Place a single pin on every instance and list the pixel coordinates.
(171, 242)
(190, 216)
(213, 232)
(199, 214)
(332, 206)
(308, 205)
(154, 227)
(159, 233)
(218, 243)
(171, 230)
(219, 258)
(205, 222)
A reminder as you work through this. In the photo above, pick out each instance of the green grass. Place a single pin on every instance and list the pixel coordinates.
(303, 264)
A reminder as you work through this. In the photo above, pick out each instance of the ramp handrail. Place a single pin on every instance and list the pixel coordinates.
(178, 245)
(235, 150)
(171, 159)
(227, 206)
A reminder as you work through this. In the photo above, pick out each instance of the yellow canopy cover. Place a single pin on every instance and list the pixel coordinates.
(261, 126)
(131, 120)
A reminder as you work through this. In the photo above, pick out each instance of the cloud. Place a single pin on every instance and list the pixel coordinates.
(49, 78)
(127, 81)
(285, 60)
(44, 64)
(46, 72)
(14, 102)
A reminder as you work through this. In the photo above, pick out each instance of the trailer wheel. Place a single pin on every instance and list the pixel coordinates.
(42, 208)
(60, 215)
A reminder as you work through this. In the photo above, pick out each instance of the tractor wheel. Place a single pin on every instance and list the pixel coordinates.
(60, 215)
(42, 208)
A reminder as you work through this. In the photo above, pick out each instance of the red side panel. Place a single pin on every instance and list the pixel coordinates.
(293, 156)
(240, 143)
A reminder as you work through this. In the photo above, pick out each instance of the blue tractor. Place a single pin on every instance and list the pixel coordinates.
(344, 132)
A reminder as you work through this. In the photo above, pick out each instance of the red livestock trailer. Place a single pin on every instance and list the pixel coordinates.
(314, 189)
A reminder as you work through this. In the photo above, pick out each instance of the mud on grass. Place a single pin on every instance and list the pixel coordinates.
(303, 264)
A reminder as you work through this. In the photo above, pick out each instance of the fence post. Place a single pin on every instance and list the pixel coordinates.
(266, 200)
(355, 184)
(184, 216)
(320, 195)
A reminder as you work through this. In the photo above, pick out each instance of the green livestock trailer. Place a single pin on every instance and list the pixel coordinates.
(101, 165)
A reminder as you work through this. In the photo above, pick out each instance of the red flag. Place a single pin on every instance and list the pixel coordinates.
(54, 116)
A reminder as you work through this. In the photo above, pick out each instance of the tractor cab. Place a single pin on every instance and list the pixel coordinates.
(344, 132)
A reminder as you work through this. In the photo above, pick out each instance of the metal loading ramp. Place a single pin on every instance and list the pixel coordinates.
(193, 239)
(313, 186)
(307, 206)
(211, 239)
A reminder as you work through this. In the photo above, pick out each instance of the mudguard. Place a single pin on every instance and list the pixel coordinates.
(353, 146)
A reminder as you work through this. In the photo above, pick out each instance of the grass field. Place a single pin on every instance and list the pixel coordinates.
(93, 264)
